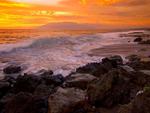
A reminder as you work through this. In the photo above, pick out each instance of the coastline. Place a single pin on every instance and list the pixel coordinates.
(109, 86)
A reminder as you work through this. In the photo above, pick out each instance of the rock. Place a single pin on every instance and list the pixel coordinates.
(133, 58)
(64, 98)
(44, 72)
(4, 87)
(11, 80)
(55, 80)
(147, 72)
(111, 89)
(26, 103)
(115, 60)
(12, 69)
(127, 68)
(141, 104)
(142, 65)
(139, 79)
(80, 107)
(145, 42)
(44, 90)
(26, 83)
(139, 39)
(79, 80)
(96, 69)
(7, 97)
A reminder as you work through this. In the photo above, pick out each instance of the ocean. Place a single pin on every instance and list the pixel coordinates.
(61, 52)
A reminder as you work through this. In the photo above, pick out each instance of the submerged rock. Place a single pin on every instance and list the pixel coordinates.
(64, 98)
(79, 80)
(12, 69)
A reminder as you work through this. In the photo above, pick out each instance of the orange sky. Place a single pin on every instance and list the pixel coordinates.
(32, 13)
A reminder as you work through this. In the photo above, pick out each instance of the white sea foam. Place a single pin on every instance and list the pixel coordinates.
(61, 54)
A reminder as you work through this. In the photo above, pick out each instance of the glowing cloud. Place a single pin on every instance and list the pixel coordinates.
(33, 13)
(45, 2)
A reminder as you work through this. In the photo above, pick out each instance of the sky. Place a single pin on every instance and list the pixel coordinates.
(113, 13)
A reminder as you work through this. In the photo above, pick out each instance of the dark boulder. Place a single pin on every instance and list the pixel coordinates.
(55, 80)
(113, 60)
(133, 58)
(12, 69)
(111, 89)
(145, 42)
(4, 88)
(78, 80)
(62, 99)
(96, 69)
(26, 83)
(44, 90)
(44, 72)
(26, 103)
(139, 39)
(142, 65)
(8, 96)
(140, 104)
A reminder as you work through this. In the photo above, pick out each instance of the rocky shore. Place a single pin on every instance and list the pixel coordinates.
(108, 86)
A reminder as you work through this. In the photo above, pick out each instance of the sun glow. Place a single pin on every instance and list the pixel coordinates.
(32, 13)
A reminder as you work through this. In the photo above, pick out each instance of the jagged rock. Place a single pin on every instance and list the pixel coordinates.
(127, 68)
(26, 103)
(147, 72)
(96, 69)
(12, 69)
(80, 107)
(145, 42)
(111, 89)
(141, 103)
(64, 98)
(44, 72)
(7, 97)
(26, 83)
(133, 58)
(4, 87)
(114, 60)
(139, 39)
(55, 80)
(142, 65)
(79, 80)
(43, 90)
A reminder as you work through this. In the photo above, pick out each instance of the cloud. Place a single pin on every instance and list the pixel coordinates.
(109, 12)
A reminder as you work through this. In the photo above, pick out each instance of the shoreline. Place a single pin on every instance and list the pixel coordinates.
(108, 86)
